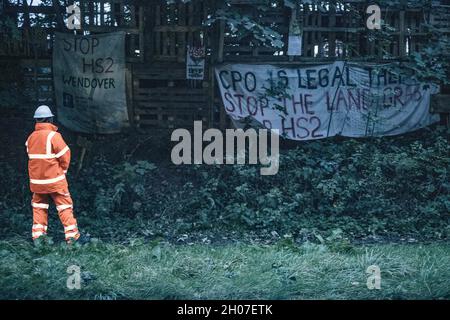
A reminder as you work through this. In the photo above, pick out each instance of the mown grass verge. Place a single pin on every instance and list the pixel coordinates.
(282, 271)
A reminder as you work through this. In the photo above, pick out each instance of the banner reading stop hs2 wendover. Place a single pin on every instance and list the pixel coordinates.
(306, 103)
(89, 81)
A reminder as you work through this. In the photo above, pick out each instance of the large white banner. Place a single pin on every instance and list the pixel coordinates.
(353, 100)
(89, 78)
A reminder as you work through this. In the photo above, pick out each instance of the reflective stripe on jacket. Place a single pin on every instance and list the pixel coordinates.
(49, 159)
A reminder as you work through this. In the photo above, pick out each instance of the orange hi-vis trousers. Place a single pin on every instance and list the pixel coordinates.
(64, 205)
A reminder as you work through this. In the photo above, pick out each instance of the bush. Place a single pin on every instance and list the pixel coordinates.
(393, 187)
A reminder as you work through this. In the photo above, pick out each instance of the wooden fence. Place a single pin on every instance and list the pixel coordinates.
(159, 33)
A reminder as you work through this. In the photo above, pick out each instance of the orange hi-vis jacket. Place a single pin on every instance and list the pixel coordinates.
(49, 159)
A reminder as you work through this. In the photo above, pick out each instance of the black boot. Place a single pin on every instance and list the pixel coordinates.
(82, 239)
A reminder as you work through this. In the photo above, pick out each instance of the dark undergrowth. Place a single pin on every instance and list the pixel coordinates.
(389, 189)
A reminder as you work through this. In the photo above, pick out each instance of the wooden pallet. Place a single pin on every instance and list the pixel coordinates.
(38, 80)
(37, 88)
(440, 18)
(176, 26)
(163, 99)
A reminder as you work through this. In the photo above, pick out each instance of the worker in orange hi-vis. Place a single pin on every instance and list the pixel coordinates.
(49, 159)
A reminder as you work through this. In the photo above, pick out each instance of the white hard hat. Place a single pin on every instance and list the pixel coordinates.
(43, 112)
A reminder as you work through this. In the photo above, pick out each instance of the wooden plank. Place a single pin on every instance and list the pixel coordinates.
(169, 91)
(158, 110)
(221, 41)
(102, 12)
(147, 25)
(171, 104)
(332, 32)
(12, 9)
(91, 13)
(164, 37)
(59, 17)
(175, 28)
(141, 34)
(172, 44)
(401, 36)
(181, 36)
(159, 74)
(105, 29)
(168, 98)
(121, 13)
(190, 22)
(130, 93)
(157, 35)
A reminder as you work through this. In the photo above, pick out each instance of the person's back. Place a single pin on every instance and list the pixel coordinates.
(49, 159)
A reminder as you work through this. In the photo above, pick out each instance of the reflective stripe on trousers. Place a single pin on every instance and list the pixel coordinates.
(64, 205)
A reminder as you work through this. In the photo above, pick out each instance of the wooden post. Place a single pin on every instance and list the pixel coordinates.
(157, 34)
(82, 15)
(122, 14)
(221, 41)
(401, 40)
(320, 34)
(332, 34)
(164, 33)
(58, 12)
(130, 93)
(190, 22)
(291, 24)
(220, 59)
(85, 144)
(91, 13)
(181, 36)
(26, 27)
(141, 34)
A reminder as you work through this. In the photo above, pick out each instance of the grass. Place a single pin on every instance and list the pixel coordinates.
(281, 271)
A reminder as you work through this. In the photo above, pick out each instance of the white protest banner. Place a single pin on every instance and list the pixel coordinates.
(89, 78)
(195, 63)
(316, 102)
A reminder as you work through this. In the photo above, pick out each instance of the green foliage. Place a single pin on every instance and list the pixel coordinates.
(432, 61)
(391, 188)
(366, 188)
(241, 25)
(125, 188)
(11, 86)
(8, 26)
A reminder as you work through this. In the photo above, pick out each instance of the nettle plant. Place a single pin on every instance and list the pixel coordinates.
(126, 185)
